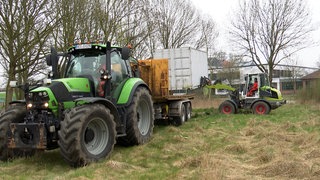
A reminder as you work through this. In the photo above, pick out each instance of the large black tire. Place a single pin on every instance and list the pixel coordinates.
(227, 107)
(261, 108)
(181, 119)
(188, 110)
(140, 119)
(15, 114)
(87, 134)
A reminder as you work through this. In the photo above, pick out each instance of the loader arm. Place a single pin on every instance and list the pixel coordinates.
(221, 86)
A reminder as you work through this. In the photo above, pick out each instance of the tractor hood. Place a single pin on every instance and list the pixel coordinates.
(64, 90)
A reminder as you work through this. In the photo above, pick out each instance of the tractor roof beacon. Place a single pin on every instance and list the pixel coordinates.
(97, 101)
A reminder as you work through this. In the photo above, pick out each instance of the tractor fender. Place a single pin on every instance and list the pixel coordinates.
(234, 103)
(107, 103)
(128, 90)
(258, 100)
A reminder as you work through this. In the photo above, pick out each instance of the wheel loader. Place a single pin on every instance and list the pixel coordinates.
(259, 101)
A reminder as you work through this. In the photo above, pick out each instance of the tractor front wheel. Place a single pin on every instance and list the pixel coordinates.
(260, 107)
(87, 134)
(140, 119)
(14, 114)
(227, 108)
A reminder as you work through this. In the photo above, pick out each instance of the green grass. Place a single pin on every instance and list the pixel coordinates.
(210, 145)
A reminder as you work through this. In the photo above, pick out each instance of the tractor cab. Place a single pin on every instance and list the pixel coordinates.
(91, 63)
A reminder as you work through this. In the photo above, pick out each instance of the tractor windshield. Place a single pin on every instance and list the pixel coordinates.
(85, 64)
(82, 64)
(88, 64)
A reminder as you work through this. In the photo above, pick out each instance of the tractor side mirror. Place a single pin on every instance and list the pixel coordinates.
(48, 60)
(52, 60)
(125, 53)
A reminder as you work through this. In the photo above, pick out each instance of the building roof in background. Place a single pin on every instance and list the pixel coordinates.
(314, 75)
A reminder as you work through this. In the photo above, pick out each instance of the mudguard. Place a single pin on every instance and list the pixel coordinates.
(128, 90)
(100, 100)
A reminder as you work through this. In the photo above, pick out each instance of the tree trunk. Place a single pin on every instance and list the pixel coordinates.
(9, 93)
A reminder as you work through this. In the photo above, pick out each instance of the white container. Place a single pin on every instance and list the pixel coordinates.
(186, 66)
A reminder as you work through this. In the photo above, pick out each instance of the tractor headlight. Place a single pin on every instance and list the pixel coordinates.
(29, 105)
(38, 100)
(46, 105)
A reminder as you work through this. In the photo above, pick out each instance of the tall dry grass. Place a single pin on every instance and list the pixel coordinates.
(310, 94)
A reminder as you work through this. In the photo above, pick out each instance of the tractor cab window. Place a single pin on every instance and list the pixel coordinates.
(118, 67)
(86, 65)
(82, 64)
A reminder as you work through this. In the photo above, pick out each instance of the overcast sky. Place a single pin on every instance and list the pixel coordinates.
(221, 12)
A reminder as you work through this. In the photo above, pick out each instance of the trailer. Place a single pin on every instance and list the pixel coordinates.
(168, 104)
(185, 66)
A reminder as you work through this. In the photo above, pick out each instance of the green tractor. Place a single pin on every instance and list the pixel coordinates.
(96, 103)
(256, 95)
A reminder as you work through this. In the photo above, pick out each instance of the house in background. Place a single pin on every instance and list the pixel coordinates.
(311, 79)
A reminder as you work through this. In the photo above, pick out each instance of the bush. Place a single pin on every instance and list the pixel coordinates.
(310, 93)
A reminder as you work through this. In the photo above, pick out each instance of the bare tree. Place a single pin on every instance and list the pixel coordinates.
(269, 31)
(294, 71)
(318, 62)
(207, 34)
(177, 22)
(24, 30)
(230, 67)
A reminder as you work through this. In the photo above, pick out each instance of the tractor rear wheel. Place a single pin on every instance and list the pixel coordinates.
(87, 134)
(227, 108)
(14, 114)
(140, 119)
(260, 107)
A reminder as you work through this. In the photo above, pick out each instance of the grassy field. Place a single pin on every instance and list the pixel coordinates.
(282, 145)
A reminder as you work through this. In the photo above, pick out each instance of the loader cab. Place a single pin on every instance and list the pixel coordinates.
(250, 79)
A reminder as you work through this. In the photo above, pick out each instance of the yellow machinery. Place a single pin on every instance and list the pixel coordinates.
(167, 104)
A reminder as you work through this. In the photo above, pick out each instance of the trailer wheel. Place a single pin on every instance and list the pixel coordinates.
(188, 111)
(260, 107)
(140, 119)
(183, 116)
(87, 134)
(15, 113)
(227, 108)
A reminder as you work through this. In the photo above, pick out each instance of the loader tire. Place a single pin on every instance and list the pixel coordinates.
(227, 108)
(140, 119)
(87, 134)
(14, 114)
(261, 108)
